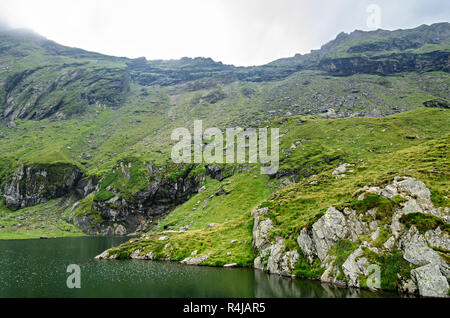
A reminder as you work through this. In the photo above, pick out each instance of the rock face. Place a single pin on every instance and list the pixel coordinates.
(159, 197)
(195, 260)
(261, 228)
(430, 281)
(416, 249)
(429, 272)
(354, 266)
(35, 184)
(394, 63)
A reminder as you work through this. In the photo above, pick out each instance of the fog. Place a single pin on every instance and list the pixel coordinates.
(239, 32)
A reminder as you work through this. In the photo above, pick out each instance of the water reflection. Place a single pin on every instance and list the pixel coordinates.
(269, 286)
(37, 268)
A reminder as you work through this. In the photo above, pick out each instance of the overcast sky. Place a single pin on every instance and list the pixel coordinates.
(240, 32)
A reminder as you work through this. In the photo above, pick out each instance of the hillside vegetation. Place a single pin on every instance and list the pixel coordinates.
(85, 145)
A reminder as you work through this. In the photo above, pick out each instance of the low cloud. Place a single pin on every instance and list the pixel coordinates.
(249, 32)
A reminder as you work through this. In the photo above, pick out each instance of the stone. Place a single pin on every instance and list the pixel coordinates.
(202, 189)
(390, 243)
(286, 182)
(430, 281)
(354, 266)
(375, 234)
(230, 265)
(334, 225)
(135, 255)
(355, 226)
(279, 261)
(389, 192)
(184, 228)
(11, 124)
(25, 186)
(307, 245)
(342, 169)
(407, 286)
(416, 188)
(163, 238)
(328, 230)
(195, 260)
(120, 230)
(261, 228)
(105, 255)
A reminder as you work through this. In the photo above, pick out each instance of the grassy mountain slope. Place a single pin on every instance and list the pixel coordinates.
(97, 113)
(295, 206)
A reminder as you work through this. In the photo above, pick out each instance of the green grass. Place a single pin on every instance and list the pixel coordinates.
(46, 219)
(424, 222)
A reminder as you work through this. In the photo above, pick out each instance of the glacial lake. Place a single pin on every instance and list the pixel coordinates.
(38, 268)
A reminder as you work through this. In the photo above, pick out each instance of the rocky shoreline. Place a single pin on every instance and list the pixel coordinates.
(371, 238)
(430, 271)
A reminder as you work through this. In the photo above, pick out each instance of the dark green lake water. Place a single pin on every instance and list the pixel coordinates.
(37, 268)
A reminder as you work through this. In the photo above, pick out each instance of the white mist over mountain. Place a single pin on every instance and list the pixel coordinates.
(249, 32)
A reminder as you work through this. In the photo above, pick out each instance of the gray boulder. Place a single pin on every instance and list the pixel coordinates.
(195, 260)
(328, 230)
(438, 238)
(261, 228)
(430, 281)
(354, 266)
(281, 262)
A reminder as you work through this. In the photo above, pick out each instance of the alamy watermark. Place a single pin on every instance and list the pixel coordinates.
(374, 19)
(374, 278)
(248, 145)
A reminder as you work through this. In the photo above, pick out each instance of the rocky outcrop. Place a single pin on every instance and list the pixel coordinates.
(340, 171)
(327, 231)
(38, 183)
(272, 257)
(261, 228)
(430, 282)
(387, 64)
(160, 196)
(354, 266)
(438, 239)
(429, 271)
(437, 103)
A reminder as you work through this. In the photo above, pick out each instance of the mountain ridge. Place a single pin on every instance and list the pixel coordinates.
(85, 149)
